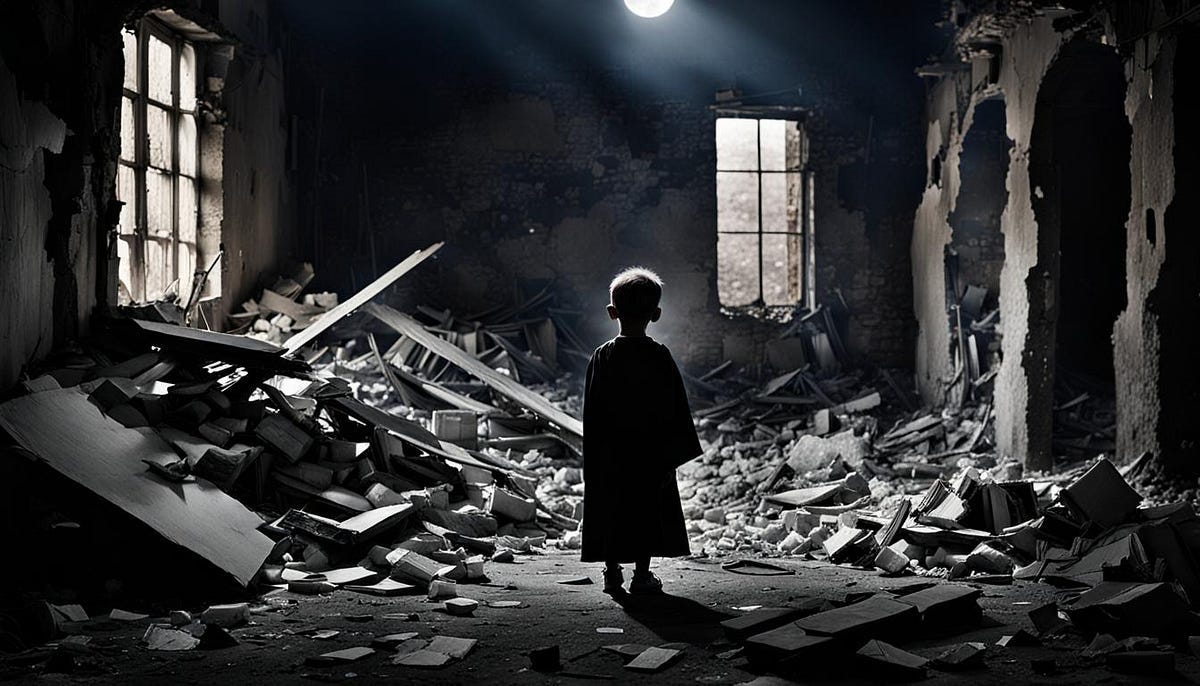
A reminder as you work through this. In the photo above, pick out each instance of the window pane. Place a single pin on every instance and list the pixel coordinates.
(128, 131)
(781, 269)
(187, 144)
(158, 203)
(158, 268)
(131, 54)
(187, 268)
(737, 201)
(158, 128)
(158, 62)
(774, 144)
(737, 144)
(187, 78)
(737, 269)
(127, 193)
(187, 209)
(124, 269)
(781, 202)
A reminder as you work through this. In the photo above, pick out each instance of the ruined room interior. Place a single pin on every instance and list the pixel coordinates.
(304, 301)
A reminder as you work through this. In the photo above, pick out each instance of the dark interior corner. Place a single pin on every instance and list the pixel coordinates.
(322, 359)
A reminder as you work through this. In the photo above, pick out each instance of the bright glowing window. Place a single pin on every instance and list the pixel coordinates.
(156, 177)
(764, 213)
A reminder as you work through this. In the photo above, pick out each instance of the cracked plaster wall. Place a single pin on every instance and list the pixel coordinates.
(60, 79)
(1157, 375)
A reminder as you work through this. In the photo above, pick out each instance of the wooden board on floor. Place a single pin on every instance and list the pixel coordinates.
(359, 299)
(501, 384)
(73, 437)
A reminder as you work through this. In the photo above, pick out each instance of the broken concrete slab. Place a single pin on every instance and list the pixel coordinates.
(1101, 496)
(887, 660)
(339, 657)
(1125, 608)
(159, 637)
(77, 440)
(946, 604)
(760, 620)
(789, 641)
(461, 607)
(961, 657)
(1145, 662)
(654, 660)
(453, 646)
(875, 617)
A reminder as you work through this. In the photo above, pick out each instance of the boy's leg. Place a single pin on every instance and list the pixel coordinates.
(614, 580)
(644, 580)
(642, 566)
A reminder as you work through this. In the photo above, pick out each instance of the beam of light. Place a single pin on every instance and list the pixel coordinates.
(649, 8)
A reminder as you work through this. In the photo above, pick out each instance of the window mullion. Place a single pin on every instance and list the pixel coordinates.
(758, 167)
(174, 251)
(140, 156)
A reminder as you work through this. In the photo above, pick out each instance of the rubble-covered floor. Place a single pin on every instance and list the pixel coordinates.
(273, 647)
(343, 492)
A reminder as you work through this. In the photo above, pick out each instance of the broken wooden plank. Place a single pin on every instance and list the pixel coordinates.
(210, 345)
(77, 440)
(359, 299)
(445, 395)
(411, 432)
(502, 384)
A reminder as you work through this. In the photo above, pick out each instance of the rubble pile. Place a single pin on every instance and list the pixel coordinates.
(346, 494)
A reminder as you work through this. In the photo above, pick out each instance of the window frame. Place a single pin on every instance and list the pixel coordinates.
(805, 220)
(140, 238)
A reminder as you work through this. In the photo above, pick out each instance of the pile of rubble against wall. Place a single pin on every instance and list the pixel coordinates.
(266, 463)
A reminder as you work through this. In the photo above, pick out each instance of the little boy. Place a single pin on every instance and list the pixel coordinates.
(637, 430)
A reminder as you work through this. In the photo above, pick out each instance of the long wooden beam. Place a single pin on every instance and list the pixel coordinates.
(503, 385)
(359, 299)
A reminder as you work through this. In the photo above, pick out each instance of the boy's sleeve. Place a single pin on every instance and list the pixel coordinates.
(685, 443)
(592, 408)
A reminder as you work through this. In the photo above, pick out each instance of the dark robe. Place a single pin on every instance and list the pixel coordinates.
(637, 429)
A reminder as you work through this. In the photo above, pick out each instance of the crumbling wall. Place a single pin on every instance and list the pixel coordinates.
(257, 220)
(931, 235)
(1023, 393)
(60, 89)
(27, 130)
(1157, 373)
(59, 92)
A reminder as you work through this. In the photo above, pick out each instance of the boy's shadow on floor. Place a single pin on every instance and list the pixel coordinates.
(673, 618)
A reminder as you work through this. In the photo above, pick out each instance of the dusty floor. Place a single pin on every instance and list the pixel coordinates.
(700, 594)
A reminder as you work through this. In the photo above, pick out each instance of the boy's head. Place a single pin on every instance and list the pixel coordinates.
(633, 296)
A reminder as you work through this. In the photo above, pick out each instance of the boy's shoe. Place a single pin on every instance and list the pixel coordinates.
(613, 581)
(644, 584)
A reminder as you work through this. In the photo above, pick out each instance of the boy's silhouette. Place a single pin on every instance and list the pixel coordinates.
(637, 430)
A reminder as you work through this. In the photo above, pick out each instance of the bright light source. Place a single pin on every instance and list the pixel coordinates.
(649, 8)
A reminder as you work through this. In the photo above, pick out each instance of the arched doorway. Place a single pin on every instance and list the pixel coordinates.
(1079, 172)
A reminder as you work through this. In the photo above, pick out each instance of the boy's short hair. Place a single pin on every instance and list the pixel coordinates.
(635, 293)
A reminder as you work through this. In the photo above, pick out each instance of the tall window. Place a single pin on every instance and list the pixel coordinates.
(157, 175)
(764, 213)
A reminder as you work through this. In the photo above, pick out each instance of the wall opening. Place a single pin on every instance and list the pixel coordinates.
(1173, 302)
(157, 173)
(764, 213)
(1079, 169)
(975, 255)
